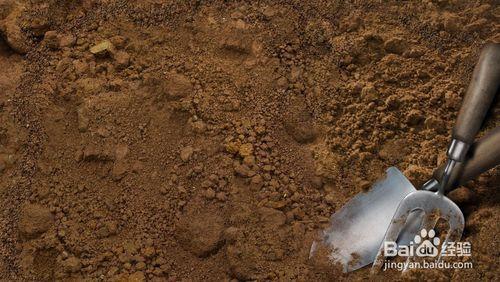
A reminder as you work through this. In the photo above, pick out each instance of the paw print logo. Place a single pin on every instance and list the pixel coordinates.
(427, 243)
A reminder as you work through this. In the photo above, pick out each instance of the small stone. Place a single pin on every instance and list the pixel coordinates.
(198, 126)
(67, 40)
(108, 229)
(249, 160)
(231, 234)
(140, 265)
(267, 168)
(282, 82)
(51, 39)
(364, 184)
(452, 100)
(209, 193)
(83, 120)
(295, 73)
(102, 132)
(136, 277)
(186, 153)
(317, 182)
(393, 102)
(102, 48)
(369, 92)
(260, 129)
(72, 265)
(395, 45)
(118, 41)
(436, 124)
(121, 151)
(148, 252)
(221, 196)
(113, 271)
(92, 153)
(206, 183)
(414, 117)
(232, 147)
(240, 24)
(256, 179)
(269, 12)
(6, 161)
(350, 23)
(272, 217)
(330, 199)
(122, 59)
(243, 170)
(451, 22)
(276, 204)
(137, 166)
(245, 150)
(414, 52)
(119, 170)
(130, 247)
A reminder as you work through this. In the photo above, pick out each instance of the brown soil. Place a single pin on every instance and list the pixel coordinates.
(211, 140)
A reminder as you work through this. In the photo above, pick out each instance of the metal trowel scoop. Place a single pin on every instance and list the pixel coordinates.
(357, 230)
(434, 206)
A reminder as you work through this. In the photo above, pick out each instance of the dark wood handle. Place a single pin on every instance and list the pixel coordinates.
(482, 89)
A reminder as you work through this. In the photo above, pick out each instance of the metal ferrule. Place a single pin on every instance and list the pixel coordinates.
(431, 185)
(448, 169)
(457, 150)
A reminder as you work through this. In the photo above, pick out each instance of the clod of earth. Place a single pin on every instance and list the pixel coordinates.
(35, 220)
(200, 233)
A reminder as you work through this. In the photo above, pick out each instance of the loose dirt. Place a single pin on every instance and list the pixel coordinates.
(192, 140)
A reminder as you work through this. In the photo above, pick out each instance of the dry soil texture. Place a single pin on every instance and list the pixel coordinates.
(211, 140)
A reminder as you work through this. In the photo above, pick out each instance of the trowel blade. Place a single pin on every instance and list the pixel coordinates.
(356, 231)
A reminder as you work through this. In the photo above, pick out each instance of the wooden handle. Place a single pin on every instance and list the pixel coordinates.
(482, 89)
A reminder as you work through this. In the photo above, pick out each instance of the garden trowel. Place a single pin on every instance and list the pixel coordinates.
(357, 230)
